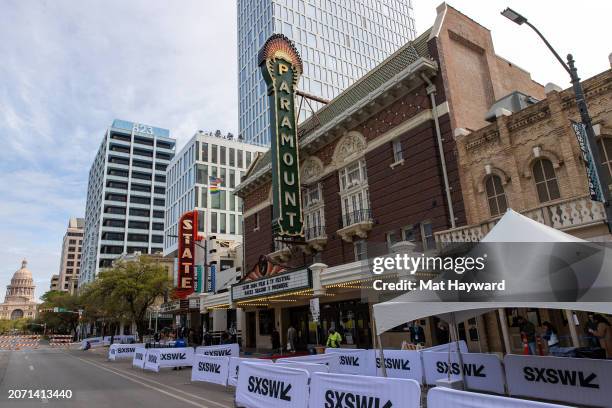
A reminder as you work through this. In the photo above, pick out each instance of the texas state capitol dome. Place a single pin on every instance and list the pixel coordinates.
(19, 300)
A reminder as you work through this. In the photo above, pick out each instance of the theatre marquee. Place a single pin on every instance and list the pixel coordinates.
(277, 284)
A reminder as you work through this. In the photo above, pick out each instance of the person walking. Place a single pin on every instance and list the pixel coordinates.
(333, 339)
(590, 327)
(417, 334)
(603, 333)
(528, 332)
(551, 337)
(291, 338)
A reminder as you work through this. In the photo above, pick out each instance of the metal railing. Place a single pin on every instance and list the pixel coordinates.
(317, 231)
(355, 217)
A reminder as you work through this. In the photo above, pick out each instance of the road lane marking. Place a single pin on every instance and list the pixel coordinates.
(31, 367)
(142, 383)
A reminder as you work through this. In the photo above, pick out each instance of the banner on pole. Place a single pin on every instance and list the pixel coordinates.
(482, 371)
(348, 391)
(140, 355)
(271, 386)
(353, 361)
(121, 351)
(234, 367)
(168, 357)
(227, 350)
(440, 397)
(210, 369)
(400, 364)
(575, 380)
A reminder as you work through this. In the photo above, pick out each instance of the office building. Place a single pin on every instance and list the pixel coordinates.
(125, 195)
(54, 284)
(206, 157)
(70, 262)
(339, 42)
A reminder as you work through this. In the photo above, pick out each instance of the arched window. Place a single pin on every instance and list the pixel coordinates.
(546, 180)
(496, 195)
(605, 153)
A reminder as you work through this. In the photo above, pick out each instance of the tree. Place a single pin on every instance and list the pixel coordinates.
(128, 290)
(64, 322)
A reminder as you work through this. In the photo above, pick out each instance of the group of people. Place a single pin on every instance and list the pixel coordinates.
(334, 340)
(598, 332)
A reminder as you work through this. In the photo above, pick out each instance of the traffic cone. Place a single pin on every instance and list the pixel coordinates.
(526, 349)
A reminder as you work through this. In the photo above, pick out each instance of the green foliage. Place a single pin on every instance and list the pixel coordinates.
(126, 291)
(64, 322)
(17, 325)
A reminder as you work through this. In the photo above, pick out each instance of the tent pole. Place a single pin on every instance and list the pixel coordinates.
(569, 315)
(380, 347)
(504, 326)
(459, 356)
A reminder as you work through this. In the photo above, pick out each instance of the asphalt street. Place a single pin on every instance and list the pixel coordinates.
(97, 383)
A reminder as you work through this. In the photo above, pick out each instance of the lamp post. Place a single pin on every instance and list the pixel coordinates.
(585, 118)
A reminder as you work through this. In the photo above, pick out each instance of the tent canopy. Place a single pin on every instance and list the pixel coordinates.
(513, 227)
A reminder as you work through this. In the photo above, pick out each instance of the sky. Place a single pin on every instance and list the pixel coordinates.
(68, 68)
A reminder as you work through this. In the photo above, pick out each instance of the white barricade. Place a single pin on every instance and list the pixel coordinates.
(579, 381)
(93, 342)
(119, 338)
(482, 372)
(140, 356)
(445, 398)
(210, 369)
(332, 360)
(344, 391)
(444, 347)
(271, 386)
(227, 350)
(401, 364)
(234, 367)
(168, 357)
(121, 351)
(354, 361)
(310, 367)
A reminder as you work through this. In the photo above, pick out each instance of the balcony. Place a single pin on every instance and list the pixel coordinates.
(565, 215)
(281, 252)
(356, 224)
(316, 239)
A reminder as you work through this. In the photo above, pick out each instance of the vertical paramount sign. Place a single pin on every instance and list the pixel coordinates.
(188, 235)
(281, 66)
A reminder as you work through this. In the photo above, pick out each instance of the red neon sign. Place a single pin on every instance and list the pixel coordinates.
(188, 235)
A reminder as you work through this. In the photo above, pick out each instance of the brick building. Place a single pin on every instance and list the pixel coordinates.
(529, 160)
(378, 168)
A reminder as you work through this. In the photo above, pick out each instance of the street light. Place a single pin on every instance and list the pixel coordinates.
(582, 107)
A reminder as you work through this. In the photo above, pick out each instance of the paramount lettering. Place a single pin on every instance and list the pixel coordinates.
(337, 399)
(269, 388)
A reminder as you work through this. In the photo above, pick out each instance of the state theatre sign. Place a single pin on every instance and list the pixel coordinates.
(281, 67)
(188, 235)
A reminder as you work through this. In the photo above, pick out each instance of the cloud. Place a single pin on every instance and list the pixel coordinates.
(67, 71)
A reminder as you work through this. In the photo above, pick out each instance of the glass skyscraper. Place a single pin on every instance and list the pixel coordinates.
(338, 40)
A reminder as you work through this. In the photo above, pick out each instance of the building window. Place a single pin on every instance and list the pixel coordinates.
(392, 238)
(213, 222)
(408, 233)
(213, 154)
(605, 153)
(496, 195)
(256, 219)
(545, 180)
(397, 151)
(314, 212)
(202, 174)
(361, 252)
(248, 159)
(354, 194)
(222, 155)
(429, 242)
(205, 152)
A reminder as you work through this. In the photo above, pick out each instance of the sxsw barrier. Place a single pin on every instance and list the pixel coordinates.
(444, 347)
(93, 342)
(310, 367)
(140, 355)
(332, 360)
(353, 361)
(482, 372)
(349, 391)
(210, 369)
(400, 364)
(168, 357)
(119, 338)
(234, 367)
(445, 397)
(574, 380)
(121, 351)
(228, 350)
(271, 386)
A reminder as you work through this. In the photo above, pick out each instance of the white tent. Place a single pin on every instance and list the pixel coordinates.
(513, 227)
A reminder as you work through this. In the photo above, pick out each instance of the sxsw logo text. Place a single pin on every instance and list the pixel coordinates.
(572, 378)
(394, 364)
(209, 367)
(349, 361)
(336, 399)
(218, 353)
(173, 356)
(471, 370)
(269, 388)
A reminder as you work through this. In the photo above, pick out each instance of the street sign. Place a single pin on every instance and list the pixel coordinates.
(595, 189)
(314, 309)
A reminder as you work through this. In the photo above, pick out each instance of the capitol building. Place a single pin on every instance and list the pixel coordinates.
(19, 300)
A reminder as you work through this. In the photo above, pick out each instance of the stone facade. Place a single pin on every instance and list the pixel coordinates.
(19, 301)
